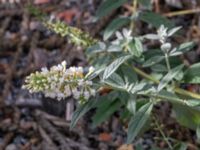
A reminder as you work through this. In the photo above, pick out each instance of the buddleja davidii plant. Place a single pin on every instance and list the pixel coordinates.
(162, 74)
(161, 84)
(119, 66)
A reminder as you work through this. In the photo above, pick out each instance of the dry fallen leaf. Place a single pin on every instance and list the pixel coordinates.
(126, 147)
(106, 137)
(68, 15)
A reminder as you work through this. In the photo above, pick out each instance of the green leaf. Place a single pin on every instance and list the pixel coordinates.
(104, 111)
(97, 48)
(159, 68)
(155, 20)
(182, 48)
(187, 116)
(192, 74)
(135, 47)
(169, 76)
(139, 147)
(127, 73)
(101, 61)
(131, 104)
(146, 3)
(181, 146)
(80, 111)
(115, 81)
(198, 132)
(156, 148)
(153, 60)
(114, 66)
(193, 102)
(135, 87)
(138, 121)
(107, 6)
(173, 31)
(151, 36)
(108, 98)
(171, 97)
(114, 48)
(114, 26)
(152, 52)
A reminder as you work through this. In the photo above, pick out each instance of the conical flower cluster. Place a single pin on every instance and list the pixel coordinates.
(75, 35)
(59, 82)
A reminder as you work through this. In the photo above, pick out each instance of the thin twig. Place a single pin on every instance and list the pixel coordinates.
(182, 12)
(162, 133)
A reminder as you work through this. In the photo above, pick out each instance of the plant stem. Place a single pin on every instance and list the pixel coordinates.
(182, 12)
(142, 73)
(162, 133)
(167, 62)
(133, 13)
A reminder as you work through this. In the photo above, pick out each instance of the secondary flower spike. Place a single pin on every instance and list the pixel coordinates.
(59, 82)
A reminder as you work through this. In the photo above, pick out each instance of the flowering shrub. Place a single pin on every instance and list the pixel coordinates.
(135, 78)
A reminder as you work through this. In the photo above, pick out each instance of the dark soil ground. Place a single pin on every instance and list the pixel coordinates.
(32, 122)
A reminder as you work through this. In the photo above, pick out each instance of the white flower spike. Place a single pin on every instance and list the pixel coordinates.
(59, 82)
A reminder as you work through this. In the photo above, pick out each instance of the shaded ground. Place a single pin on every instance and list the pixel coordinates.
(30, 121)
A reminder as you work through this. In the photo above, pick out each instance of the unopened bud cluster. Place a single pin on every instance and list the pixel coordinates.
(163, 35)
(59, 82)
(76, 36)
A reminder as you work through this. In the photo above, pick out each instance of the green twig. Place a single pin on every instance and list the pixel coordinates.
(167, 62)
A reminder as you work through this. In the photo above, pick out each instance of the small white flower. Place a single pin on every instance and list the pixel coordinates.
(80, 69)
(67, 91)
(46, 87)
(91, 70)
(88, 83)
(45, 71)
(81, 82)
(74, 90)
(72, 69)
(64, 63)
(60, 67)
(93, 92)
(86, 95)
(77, 94)
(60, 96)
(61, 80)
